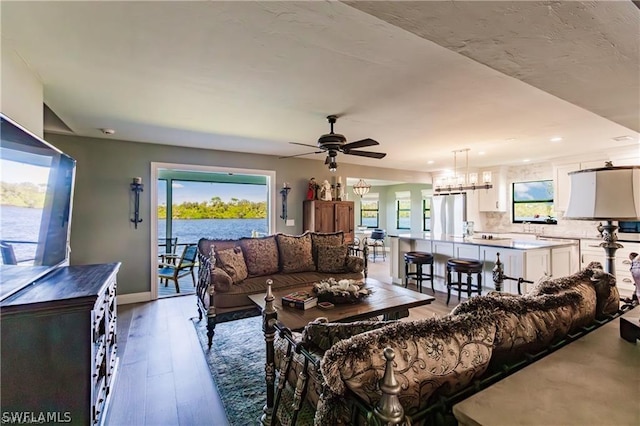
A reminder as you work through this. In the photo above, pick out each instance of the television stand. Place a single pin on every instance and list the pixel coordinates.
(58, 352)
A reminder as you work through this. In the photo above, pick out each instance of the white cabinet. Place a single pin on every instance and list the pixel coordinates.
(442, 251)
(531, 265)
(512, 262)
(467, 251)
(590, 251)
(537, 265)
(564, 261)
(495, 198)
(562, 187)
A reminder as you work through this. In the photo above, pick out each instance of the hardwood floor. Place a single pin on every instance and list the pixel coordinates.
(163, 377)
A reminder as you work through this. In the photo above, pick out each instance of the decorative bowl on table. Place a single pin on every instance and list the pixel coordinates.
(340, 292)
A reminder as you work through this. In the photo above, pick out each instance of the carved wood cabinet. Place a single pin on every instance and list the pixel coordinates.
(58, 345)
(329, 216)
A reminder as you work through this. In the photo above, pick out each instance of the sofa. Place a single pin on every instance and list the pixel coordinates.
(231, 270)
(376, 372)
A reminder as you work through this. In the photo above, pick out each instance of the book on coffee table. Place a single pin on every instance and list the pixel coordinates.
(299, 300)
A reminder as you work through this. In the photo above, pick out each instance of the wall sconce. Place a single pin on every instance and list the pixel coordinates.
(361, 188)
(137, 187)
(285, 193)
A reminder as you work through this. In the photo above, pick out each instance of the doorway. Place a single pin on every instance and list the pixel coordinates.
(193, 202)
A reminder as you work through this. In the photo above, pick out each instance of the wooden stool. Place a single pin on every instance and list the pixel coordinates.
(418, 258)
(464, 266)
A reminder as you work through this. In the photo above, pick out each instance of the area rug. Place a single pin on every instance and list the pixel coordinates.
(236, 361)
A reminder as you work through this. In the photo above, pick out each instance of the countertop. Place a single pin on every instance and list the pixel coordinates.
(496, 242)
(591, 381)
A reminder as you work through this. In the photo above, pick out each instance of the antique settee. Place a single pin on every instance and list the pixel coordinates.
(231, 270)
(380, 372)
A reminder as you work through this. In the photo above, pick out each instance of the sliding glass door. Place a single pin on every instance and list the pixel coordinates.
(194, 204)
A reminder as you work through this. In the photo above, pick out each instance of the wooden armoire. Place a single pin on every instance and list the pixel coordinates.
(329, 216)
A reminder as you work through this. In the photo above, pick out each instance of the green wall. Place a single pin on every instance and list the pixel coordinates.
(101, 230)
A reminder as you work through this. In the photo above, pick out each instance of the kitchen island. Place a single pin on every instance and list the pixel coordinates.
(529, 259)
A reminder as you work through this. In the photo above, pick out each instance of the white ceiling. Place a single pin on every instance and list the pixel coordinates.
(422, 78)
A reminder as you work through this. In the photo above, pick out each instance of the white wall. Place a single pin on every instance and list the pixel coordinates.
(21, 92)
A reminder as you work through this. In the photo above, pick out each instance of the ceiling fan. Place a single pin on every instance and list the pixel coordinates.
(332, 143)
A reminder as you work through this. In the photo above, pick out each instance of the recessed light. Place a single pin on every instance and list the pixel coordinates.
(555, 139)
(481, 153)
(430, 162)
(526, 160)
(622, 138)
(510, 139)
(108, 131)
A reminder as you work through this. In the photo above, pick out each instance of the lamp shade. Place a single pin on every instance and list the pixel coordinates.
(608, 193)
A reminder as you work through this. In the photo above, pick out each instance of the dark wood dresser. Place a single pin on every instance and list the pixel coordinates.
(58, 346)
(329, 216)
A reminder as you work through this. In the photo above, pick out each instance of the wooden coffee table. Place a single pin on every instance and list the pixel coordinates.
(386, 299)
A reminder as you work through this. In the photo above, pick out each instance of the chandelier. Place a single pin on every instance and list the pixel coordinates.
(463, 182)
(361, 188)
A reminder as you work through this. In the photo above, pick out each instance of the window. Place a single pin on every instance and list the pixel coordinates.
(403, 214)
(426, 214)
(403, 210)
(369, 211)
(533, 202)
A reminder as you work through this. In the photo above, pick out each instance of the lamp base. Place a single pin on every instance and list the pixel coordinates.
(608, 232)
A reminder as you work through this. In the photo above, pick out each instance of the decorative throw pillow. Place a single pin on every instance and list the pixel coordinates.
(232, 262)
(295, 253)
(206, 245)
(329, 239)
(331, 259)
(260, 255)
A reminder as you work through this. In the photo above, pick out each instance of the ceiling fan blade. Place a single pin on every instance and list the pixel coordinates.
(369, 154)
(299, 155)
(303, 144)
(360, 144)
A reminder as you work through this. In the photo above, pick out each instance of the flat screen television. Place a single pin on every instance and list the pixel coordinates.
(36, 194)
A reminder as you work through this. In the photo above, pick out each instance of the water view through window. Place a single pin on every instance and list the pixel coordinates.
(216, 210)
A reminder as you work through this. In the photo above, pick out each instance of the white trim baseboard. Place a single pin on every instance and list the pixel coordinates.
(125, 299)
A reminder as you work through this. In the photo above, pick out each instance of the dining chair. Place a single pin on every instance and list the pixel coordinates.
(184, 266)
(376, 242)
(8, 255)
(170, 246)
(354, 247)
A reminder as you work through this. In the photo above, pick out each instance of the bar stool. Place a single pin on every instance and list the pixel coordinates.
(418, 258)
(464, 266)
(376, 242)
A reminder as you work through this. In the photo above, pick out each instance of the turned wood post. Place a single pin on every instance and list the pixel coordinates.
(389, 409)
(498, 274)
(365, 253)
(269, 318)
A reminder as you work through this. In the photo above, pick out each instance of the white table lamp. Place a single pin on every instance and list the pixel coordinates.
(607, 194)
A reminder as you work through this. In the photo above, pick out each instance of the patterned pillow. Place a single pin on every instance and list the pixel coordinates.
(329, 238)
(232, 262)
(260, 255)
(332, 259)
(207, 246)
(295, 253)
